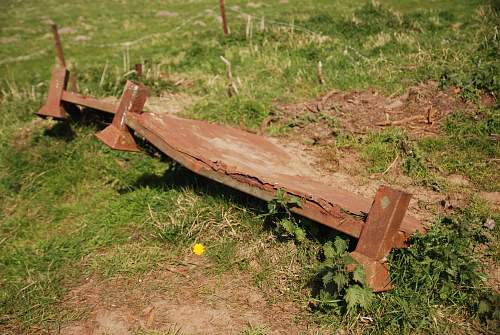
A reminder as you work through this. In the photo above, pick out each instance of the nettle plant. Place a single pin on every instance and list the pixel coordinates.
(342, 284)
(279, 210)
(342, 288)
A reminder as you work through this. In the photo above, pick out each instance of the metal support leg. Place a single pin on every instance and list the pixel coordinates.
(117, 136)
(378, 236)
(53, 107)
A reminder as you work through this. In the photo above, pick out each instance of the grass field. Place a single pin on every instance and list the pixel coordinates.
(84, 228)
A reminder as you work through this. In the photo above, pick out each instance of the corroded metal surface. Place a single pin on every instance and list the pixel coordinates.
(377, 238)
(117, 135)
(384, 219)
(257, 163)
(53, 106)
(58, 45)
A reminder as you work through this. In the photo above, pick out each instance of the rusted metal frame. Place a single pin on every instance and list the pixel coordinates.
(89, 102)
(116, 135)
(381, 232)
(61, 61)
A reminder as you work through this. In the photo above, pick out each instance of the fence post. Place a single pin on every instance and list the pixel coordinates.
(224, 19)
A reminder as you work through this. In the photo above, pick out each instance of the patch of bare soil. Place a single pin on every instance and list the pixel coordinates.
(493, 199)
(350, 174)
(421, 111)
(185, 298)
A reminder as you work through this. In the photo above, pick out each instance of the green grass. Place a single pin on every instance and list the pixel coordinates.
(71, 207)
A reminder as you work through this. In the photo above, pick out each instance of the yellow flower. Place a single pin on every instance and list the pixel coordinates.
(198, 249)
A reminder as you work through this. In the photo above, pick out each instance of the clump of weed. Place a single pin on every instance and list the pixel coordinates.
(223, 254)
(279, 214)
(238, 110)
(110, 80)
(342, 291)
(440, 271)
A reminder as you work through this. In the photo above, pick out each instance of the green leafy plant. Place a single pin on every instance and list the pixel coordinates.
(342, 290)
(279, 209)
(441, 271)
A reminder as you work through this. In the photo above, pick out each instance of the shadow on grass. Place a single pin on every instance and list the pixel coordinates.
(61, 130)
(85, 117)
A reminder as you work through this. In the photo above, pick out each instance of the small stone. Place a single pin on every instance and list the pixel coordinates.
(166, 13)
(490, 224)
(253, 5)
(66, 30)
(254, 299)
(82, 38)
(395, 104)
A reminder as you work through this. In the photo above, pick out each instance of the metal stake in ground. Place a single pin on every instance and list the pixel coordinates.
(57, 43)
(224, 19)
(377, 238)
(116, 135)
(53, 106)
(60, 56)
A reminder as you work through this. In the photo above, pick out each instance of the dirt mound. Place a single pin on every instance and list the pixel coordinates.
(421, 111)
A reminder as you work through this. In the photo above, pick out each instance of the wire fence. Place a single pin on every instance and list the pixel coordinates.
(140, 41)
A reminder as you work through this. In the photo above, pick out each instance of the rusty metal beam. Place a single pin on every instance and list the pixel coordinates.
(224, 18)
(58, 46)
(89, 102)
(379, 234)
(383, 222)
